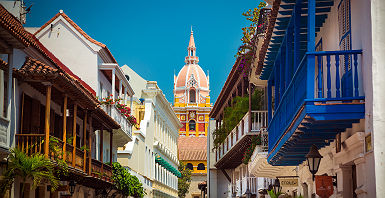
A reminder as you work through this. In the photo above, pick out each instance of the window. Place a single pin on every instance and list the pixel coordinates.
(189, 166)
(191, 125)
(192, 53)
(192, 95)
(3, 92)
(201, 166)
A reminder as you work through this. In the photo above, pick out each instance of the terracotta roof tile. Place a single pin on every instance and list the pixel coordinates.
(14, 27)
(35, 69)
(192, 148)
(3, 64)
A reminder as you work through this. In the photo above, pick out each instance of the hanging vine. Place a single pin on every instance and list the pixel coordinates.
(249, 32)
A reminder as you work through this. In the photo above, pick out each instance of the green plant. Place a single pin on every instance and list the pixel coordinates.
(249, 32)
(70, 140)
(234, 114)
(184, 181)
(84, 148)
(57, 154)
(35, 167)
(127, 184)
(256, 140)
(273, 195)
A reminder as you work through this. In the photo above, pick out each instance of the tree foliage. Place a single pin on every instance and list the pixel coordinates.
(248, 38)
(127, 184)
(184, 181)
(36, 168)
(234, 114)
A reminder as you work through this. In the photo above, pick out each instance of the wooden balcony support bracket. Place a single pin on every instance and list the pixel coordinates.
(74, 135)
(85, 140)
(65, 126)
(226, 175)
(47, 118)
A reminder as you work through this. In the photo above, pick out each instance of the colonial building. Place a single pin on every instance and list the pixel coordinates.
(192, 106)
(152, 155)
(45, 101)
(97, 67)
(321, 64)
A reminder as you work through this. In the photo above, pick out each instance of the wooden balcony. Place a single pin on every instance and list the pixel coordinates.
(80, 162)
(330, 101)
(230, 152)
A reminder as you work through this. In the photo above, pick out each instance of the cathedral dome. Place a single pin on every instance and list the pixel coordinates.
(191, 76)
(191, 71)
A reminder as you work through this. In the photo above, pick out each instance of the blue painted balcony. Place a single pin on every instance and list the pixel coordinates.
(317, 94)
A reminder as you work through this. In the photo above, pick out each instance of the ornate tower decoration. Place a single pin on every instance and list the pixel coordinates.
(192, 95)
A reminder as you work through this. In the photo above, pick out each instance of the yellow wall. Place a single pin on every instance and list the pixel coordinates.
(195, 166)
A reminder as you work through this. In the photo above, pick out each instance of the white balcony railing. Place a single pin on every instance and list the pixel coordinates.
(114, 112)
(259, 124)
(245, 183)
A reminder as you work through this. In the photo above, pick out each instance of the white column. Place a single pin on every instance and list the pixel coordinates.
(113, 83)
(125, 95)
(120, 88)
(131, 101)
(361, 177)
(2, 99)
(378, 105)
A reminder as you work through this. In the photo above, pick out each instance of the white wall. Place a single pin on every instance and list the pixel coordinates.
(72, 50)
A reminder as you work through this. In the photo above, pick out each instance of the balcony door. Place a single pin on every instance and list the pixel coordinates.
(345, 43)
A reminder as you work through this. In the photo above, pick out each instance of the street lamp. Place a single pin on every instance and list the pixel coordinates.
(72, 186)
(313, 159)
(276, 186)
(248, 193)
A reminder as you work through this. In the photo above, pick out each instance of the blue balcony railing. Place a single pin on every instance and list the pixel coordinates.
(333, 77)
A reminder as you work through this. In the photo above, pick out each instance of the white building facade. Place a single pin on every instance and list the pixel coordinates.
(153, 153)
(95, 65)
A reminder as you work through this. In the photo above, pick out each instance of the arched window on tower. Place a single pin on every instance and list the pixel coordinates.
(189, 166)
(201, 166)
(192, 53)
(192, 96)
(191, 125)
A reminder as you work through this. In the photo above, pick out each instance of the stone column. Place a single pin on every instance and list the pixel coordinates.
(344, 181)
(361, 177)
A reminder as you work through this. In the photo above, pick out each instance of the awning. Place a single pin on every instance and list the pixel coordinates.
(166, 165)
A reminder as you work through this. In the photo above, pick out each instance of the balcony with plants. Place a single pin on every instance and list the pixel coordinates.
(121, 113)
(240, 131)
(314, 94)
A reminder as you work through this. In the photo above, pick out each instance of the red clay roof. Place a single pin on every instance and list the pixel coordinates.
(14, 27)
(192, 148)
(34, 69)
(37, 68)
(70, 21)
(3, 64)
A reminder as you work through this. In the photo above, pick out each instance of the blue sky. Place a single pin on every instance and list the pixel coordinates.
(152, 36)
